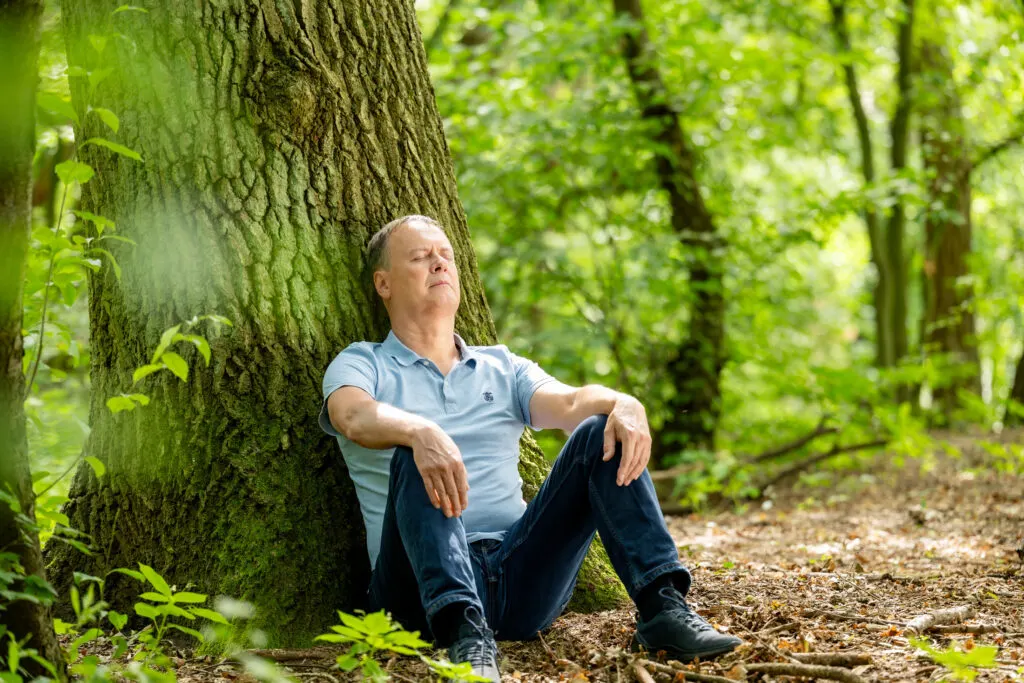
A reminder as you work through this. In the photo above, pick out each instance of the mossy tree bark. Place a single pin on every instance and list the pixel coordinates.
(277, 136)
(19, 50)
(1016, 395)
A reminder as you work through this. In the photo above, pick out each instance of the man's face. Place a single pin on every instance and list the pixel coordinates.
(422, 276)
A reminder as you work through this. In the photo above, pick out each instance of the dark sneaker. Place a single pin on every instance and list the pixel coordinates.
(475, 644)
(682, 633)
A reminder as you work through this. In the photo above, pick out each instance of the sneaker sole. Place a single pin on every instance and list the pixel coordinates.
(680, 655)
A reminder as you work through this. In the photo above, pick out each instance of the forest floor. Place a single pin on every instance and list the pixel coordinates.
(838, 569)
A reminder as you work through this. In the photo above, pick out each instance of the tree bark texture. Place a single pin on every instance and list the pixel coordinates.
(19, 51)
(695, 367)
(277, 137)
(948, 322)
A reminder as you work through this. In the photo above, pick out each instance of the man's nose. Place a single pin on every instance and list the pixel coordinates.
(438, 265)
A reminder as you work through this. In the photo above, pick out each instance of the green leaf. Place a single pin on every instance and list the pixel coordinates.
(333, 638)
(145, 371)
(155, 597)
(118, 620)
(174, 611)
(347, 662)
(146, 610)
(165, 340)
(185, 596)
(58, 105)
(155, 579)
(176, 364)
(130, 8)
(128, 572)
(201, 344)
(98, 467)
(377, 623)
(101, 222)
(350, 633)
(98, 76)
(353, 622)
(87, 637)
(108, 117)
(118, 404)
(72, 171)
(114, 147)
(192, 632)
(208, 614)
(99, 43)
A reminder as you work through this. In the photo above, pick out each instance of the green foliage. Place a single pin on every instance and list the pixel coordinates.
(376, 634)
(962, 665)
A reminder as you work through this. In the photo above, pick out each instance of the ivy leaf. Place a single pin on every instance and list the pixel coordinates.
(114, 147)
(176, 364)
(58, 105)
(72, 171)
(108, 117)
(98, 467)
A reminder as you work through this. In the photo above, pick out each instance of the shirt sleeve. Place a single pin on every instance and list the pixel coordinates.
(528, 378)
(353, 367)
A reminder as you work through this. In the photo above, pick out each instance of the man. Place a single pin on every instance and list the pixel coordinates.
(429, 428)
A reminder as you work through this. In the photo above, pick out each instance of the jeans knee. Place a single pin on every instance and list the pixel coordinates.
(401, 461)
(591, 431)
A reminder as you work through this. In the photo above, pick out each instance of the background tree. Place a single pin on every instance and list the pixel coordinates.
(28, 617)
(277, 139)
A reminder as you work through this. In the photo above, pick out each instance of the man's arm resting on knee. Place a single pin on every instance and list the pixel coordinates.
(559, 406)
(377, 425)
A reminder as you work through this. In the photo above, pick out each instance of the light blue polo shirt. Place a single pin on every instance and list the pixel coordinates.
(483, 405)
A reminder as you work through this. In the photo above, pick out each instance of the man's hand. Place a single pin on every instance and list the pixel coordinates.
(440, 464)
(627, 422)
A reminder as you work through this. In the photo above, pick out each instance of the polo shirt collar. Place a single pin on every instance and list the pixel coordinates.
(406, 356)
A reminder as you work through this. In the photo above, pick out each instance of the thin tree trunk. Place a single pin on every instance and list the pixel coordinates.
(948, 322)
(1016, 395)
(278, 137)
(696, 366)
(887, 250)
(19, 51)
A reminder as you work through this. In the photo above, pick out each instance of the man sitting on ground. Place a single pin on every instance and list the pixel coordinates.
(429, 428)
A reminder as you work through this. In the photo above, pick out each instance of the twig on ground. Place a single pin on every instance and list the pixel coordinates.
(846, 616)
(791, 626)
(952, 615)
(833, 658)
(547, 648)
(976, 630)
(288, 655)
(640, 673)
(832, 673)
(690, 675)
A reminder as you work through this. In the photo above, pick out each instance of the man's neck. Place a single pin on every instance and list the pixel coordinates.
(433, 340)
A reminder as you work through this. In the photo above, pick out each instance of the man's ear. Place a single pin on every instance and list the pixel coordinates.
(382, 284)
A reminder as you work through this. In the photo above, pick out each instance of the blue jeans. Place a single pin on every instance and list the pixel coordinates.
(524, 581)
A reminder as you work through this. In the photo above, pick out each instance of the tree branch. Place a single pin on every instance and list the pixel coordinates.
(1003, 145)
(815, 459)
(778, 451)
(440, 28)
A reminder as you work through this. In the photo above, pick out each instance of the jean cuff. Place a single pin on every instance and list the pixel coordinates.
(667, 568)
(448, 598)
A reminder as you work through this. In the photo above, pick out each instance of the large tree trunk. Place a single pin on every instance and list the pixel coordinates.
(278, 137)
(948, 322)
(696, 366)
(19, 50)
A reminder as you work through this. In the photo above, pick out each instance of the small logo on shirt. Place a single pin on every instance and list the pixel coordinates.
(489, 397)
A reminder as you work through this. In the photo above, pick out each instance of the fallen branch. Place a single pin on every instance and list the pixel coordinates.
(953, 615)
(295, 655)
(832, 673)
(846, 616)
(779, 451)
(833, 658)
(786, 472)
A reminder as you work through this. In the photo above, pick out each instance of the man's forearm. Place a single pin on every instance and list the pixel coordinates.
(380, 425)
(592, 399)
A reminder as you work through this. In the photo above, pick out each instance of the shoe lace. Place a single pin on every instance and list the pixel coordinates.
(678, 605)
(479, 649)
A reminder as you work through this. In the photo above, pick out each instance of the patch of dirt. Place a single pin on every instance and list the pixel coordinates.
(827, 569)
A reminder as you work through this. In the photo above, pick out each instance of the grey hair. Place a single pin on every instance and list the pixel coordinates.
(377, 256)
